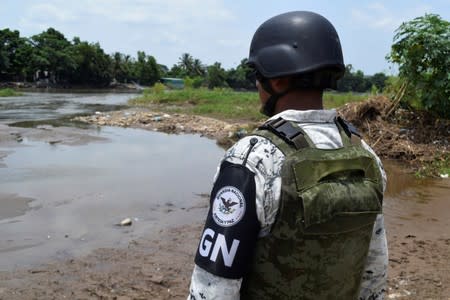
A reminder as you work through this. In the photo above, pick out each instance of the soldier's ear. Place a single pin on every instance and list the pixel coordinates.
(280, 84)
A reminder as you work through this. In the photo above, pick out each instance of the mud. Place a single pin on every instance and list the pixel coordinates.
(417, 214)
(160, 268)
(15, 136)
(225, 132)
(13, 205)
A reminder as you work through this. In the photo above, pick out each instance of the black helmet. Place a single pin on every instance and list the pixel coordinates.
(295, 43)
(299, 43)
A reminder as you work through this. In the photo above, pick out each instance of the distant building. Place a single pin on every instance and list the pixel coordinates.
(174, 83)
(43, 78)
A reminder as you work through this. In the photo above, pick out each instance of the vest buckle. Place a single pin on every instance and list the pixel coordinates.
(293, 135)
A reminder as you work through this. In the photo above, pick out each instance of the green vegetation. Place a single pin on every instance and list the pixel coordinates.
(356, 81)
(218, 102)
(50, 58)
(222, 102)
(335, 100)
(9, 93)
(422, 50)
(440, 166)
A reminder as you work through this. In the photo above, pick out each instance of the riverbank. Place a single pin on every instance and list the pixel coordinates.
(225, 132)
(8, 92)
(158, 264)
(412, 137)
(21, 87)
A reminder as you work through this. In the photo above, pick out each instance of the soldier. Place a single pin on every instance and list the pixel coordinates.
(295, 210)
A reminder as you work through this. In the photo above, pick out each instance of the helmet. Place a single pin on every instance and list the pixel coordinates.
(299, 43)
(294, 43)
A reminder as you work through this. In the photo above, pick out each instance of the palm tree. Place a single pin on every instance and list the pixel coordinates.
(186, 62)
(198, 68)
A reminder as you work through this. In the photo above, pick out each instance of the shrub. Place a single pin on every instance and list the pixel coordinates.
(8, 93)
(158, 88)
(422, 50)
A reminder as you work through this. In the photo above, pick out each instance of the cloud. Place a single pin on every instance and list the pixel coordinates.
(43, 13)
(206, 29)
(377, 6)
(157, 11)
(50, 11)
(40, 16)
(173, 19)
(377, 16)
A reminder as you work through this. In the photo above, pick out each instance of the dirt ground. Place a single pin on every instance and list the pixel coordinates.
(419, 239)
(225, 132)
(147, 269)
(161, 269)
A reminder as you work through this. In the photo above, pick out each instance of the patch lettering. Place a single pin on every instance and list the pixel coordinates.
(220, 245)
(228, 207)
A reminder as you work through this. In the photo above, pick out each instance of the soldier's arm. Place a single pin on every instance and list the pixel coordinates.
(207, 286)
(250, 170)
(374, 281)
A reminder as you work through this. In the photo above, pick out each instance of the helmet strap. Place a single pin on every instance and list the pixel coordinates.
(269, 107)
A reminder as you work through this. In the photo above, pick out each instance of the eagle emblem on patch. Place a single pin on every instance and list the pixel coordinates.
(228, 206)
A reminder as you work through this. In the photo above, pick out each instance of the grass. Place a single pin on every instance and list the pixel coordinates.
(7, 92)
(335, 100)
(222, 103)
(219, 103)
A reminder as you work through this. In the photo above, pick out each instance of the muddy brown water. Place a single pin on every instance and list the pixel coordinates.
(63, 200)
(415, 206)
(60, 200)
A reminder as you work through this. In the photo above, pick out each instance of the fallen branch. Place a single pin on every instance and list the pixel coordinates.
(397, 98)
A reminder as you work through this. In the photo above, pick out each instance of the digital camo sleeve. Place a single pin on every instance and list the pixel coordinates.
(264, 162)
(374, 281)
(207, 286)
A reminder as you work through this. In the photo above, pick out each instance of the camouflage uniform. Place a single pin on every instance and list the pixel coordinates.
(265, 161)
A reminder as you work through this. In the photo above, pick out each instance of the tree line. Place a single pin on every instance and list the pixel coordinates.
(50, 56)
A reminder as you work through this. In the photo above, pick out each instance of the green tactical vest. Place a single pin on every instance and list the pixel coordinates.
(329, 201)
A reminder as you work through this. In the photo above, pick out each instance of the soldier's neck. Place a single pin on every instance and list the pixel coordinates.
(300, 100)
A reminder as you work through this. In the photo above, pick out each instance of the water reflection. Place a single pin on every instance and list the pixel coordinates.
(81, 191)
(405, 186)
(420, 207)
(45, 106)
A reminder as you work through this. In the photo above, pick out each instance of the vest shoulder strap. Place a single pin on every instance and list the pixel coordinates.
(349, 133)
(291, 137)
(287, 133)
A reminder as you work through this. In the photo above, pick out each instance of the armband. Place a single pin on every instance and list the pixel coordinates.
(228, 239)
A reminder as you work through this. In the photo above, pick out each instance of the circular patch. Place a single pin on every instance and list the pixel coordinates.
(228, 207)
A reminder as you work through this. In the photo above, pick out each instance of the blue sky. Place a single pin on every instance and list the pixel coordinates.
(214, 30)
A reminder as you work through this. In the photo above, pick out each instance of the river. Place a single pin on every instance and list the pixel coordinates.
(61, 199)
